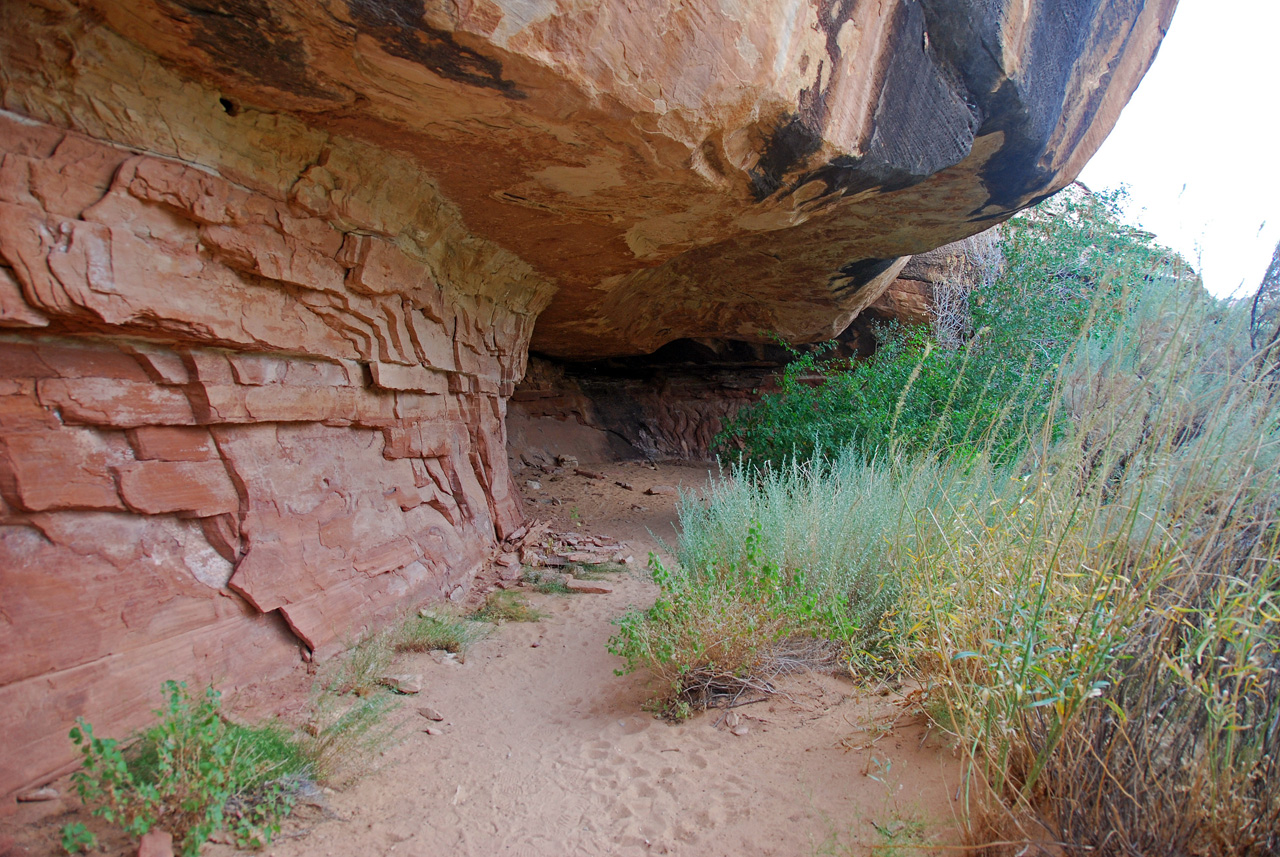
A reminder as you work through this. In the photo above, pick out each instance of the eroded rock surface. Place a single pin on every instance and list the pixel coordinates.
(269, 272)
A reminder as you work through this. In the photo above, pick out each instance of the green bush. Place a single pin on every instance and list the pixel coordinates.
(192, 773)
(1070, 270)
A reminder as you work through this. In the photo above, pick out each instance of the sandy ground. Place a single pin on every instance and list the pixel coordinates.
(545, 751)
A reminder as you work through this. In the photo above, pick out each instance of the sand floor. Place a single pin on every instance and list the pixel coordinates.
(545, 751)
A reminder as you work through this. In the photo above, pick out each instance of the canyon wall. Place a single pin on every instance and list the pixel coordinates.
(270, 271)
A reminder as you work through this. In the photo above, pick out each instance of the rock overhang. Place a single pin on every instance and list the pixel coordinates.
(684, 170)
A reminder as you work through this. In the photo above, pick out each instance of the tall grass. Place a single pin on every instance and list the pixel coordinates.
(1096, 618)
(1100, 620)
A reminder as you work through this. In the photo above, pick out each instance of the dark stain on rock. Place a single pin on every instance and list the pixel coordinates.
(399, 27)
(789, 144)
(1027, 110)
(247, 40)
(799, 135)
(855, 275)
(924, 120)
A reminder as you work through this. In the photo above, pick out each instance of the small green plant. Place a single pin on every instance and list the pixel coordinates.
(77, 839)
(438, 629)
(727, 622)
(506, 606)
(192, 773)
(900, 834)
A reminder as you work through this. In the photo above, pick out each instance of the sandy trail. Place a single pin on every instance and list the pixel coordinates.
(545, 751)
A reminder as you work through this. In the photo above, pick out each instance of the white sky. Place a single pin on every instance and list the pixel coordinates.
(1199, 144)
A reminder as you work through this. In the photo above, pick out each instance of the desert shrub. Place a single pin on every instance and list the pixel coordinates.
(192, 773)
(1070, 269)
(1085, 575)
(345, 736)
(780, 569)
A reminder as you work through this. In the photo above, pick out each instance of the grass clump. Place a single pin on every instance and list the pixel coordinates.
(193, 773)
(547, 582)
(438, 630)
(360, 669)
(505, 606)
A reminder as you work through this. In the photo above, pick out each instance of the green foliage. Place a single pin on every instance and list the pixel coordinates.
(77, 839)
(1078, 546)
(192, 773)
(1069, 270)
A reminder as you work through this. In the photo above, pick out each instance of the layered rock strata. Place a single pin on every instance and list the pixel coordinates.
(234, 427)
(269, 271)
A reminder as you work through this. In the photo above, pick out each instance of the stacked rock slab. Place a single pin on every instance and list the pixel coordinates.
(269, 271)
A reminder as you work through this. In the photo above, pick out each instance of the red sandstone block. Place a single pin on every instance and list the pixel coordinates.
(391, 376)
(114, 402)
(381, 269)
(201, 488)
(59, 469)
(21, 412)
(394, 554)
(173, 443)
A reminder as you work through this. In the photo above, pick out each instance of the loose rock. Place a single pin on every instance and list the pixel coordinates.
(593, 587)
(661, 489)
(405, 683)
(37, 795)
(430, 713)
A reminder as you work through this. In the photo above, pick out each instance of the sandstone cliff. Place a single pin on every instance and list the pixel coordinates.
(270, 270)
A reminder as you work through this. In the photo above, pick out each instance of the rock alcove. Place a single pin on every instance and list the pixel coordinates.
(270, 273)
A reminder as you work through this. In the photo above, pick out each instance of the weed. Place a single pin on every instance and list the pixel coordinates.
(77, 839)
(438, 629)
(900, 834)
(506, 606)
(186, 772)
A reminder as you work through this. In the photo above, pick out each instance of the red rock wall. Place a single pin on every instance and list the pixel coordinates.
(233, 427)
